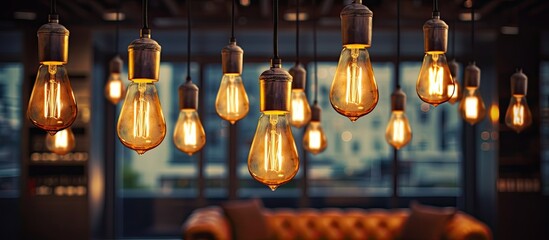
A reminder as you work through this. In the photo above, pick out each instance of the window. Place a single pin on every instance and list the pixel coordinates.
(544, 128)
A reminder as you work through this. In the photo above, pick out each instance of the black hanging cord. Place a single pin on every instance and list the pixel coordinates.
(454, 39)
(145, 14)
(233, 39)
(436, 13)
(472, 31)
(315, 55)
(53, 7)
(117, 31)
(397, 81)
(297, 32)
(276, 58)
(189, 40)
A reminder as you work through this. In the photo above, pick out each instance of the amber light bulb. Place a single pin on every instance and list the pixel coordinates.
(300, 111)
(273, 158)
(518, 115)
(61, 143)
(188, 136)
(231, 102)
(314, 139)
(114, 89)
(52, 106)
(454, 89)
(398, 132)
(472, 107)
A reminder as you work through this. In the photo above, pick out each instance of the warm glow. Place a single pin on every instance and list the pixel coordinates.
(314, 140)
(494, 113)
(61, 143)
(114, 89)
(472, 107)
(273, 158)
(300, 113)
(518, 116)
(231, 102)
(435, 81)
(189, 135)
(398, 132)
(354, 91)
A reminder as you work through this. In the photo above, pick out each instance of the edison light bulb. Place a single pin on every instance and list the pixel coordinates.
(454, 90)
(398, 132)
(518, 115)
(61, 143)
(52, 105)
(273, 158)
(141, 124)
(314, 139)
(114, 89)
(472, 107)
(300, 112)
(189, 135)
(232, 102)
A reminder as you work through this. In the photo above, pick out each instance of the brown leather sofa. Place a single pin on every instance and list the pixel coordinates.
(379, 224)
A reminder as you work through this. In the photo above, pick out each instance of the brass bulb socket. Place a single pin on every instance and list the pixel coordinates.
(188, 96)
(299, 76)
(53, 42)
(356, 24)
(232, 58)
(316, 112)
(275, 89)
(398, 100)
(519, 83)
(144, 58)
(454, 68)
(115, 65)
(471, 76)
(435, 35)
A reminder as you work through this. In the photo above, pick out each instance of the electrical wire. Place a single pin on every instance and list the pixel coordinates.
(397, 77)
(435, 8)
(472, 30)
(454, 39)
(233, 39)
(53, 7)
(275, 31)
(188, 41)
(315, 55)
(297, 32)
(145, 14)
(117, 31)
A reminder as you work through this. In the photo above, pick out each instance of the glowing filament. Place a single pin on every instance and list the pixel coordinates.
(314, 139)
(115, 89)
(471, 107)
(61, 139)
(398, 132)
(141, 128)
(518, 115)
(232, 96)
(436, 81)
(52, 91)
(354, 76)
(273, 144)
(189, 128)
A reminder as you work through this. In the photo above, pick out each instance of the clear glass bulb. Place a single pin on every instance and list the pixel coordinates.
(61, 143)
(52, 105)
(472, 107)
(314, 140)
(398, 132)
(141, 124)
(232, 102)
(300, 112)
(273, 158)
(189, 135)
(434, 79)
(114, 89)
(518, 115)
(455, 90)
(354, 90)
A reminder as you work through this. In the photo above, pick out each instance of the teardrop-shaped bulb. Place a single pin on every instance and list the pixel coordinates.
(398, 132)
(434, 79)
(141, 124)
(52, 106)
(231, 102)
(314, 140)
(273, 158)
(300, 112)
(354, 90)
(61, 143)
(472, 107)
(518, 115)
(455, 89)
(189, 135)
(114, 89)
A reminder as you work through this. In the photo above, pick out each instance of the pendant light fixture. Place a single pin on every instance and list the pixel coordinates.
(300, 112)
(454, 89)
(354, 90)
(472, 107)
(314, 139)
(232, 103)
(434, 76)
(518, 115)
(114, 89)
(398, 132)
(189, 135)
(52, 106)
(273, 158)
(141, 125)
(62, 142)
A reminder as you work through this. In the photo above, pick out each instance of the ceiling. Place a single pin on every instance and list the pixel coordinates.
(213, 14)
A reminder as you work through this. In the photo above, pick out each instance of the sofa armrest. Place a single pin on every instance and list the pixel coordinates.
(465, 227)
(207, 223)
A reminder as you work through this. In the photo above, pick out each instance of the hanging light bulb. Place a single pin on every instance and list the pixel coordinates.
(273, 158)
(454, 89)
(434, 77)
(472, 107)
(300, 111)
(114, 89)
(61, 143)
(52, 106)
(189, 135)
(354, 90)
(398, 132)
(141, 125)
(314, 140)
(232, 102)
(518, 116)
